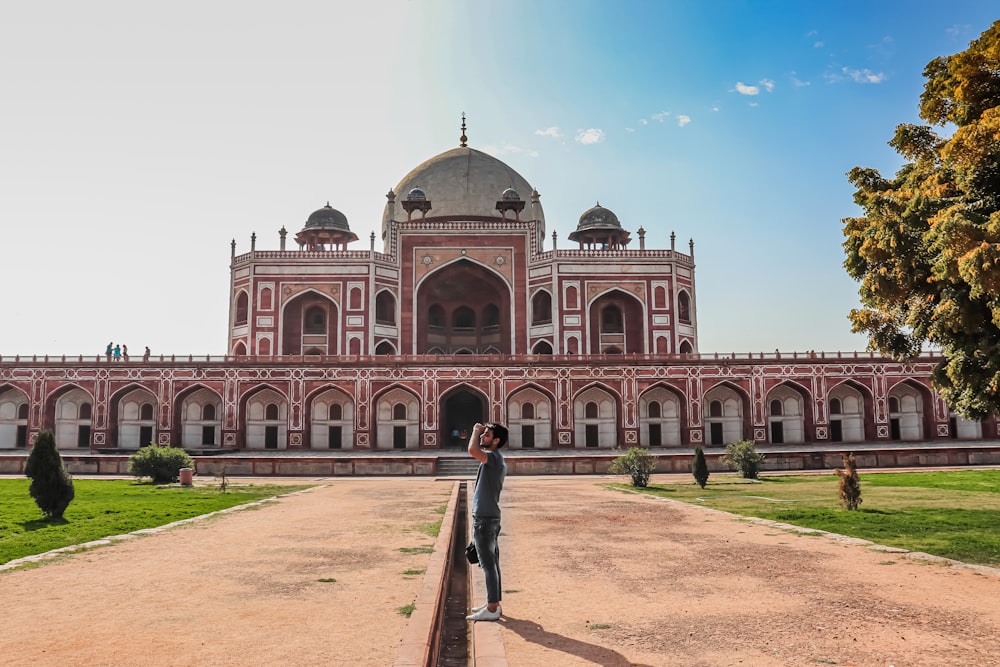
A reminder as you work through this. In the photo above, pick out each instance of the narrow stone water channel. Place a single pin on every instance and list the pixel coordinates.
(454, 640)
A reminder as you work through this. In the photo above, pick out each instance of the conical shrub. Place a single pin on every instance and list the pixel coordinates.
(699, 467)
(51, 486)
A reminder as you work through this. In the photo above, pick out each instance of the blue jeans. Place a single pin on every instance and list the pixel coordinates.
(486, 534)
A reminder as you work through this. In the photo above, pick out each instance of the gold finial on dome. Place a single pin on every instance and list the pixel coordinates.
(463, 137)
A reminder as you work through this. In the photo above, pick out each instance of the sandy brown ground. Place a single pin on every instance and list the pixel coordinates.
(592, 577)
(605, 578)
(240, 589)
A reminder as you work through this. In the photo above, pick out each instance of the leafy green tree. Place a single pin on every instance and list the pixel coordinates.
(699, 467)
(927, 249)
(51, 486)
(637, 463)
(743, 456)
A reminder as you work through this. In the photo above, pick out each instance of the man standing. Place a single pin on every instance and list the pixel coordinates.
(484, 446)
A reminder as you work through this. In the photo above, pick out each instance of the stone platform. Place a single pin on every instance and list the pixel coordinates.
(424, 463)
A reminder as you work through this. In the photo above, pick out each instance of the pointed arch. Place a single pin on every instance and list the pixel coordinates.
(541, 307)
(461, 407)
(132, 417)
(310, 320)
(910, 412)
(595, 415)
(242, 308)
(726, 412)
(468, 307)
(264, 416)
(69, 412)
(659, 297)
(683, 307)
(198, 416)
(617, 323)
(397, 418)
(530, 411)
(385, 307)
(788, 416)
(661, 416)
(331, 419)
(851, 410)
(542, 347)
(14, 408)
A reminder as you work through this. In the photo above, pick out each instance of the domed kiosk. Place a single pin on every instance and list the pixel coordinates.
(599, 228)
(325, 229)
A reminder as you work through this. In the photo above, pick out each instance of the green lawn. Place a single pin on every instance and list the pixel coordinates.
(108, 507)
(952, 514)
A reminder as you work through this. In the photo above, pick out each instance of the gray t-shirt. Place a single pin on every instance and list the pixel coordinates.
(489, 484)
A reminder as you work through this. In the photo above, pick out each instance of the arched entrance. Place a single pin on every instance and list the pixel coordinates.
(460, 411)
(467, 311)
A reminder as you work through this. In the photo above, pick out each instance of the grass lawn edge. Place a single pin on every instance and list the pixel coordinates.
(54, 554)
(917, 556)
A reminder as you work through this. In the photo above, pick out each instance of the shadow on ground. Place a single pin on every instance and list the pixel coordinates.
(533, 632)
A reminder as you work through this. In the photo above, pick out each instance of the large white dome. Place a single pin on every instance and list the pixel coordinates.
(463, 183)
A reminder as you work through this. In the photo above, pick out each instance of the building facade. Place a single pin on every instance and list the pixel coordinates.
(465, 316)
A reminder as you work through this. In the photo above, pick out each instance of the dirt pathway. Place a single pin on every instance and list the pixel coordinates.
(598, 577)
(247, 588)
(592, 577)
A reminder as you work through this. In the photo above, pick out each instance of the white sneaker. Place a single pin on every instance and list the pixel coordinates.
(485, 606)
(484, 614)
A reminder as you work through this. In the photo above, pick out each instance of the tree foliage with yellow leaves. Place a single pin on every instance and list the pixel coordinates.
(927, 249)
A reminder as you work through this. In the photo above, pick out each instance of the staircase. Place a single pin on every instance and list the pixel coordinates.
(457, 466)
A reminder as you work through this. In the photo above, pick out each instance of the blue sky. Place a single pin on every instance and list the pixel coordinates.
(137, 142)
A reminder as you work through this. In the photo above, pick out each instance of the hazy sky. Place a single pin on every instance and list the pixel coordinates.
(138, 140)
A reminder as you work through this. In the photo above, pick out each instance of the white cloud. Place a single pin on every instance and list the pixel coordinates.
(660, 117)
(754, 104)
(644, 121)
(715, 108)
(956, 31)
(553, 132)
(798, 83)
(864, 75)
(589, 136)
(630, 129)
(768, 85)
(683, 120)
(744, 89)
(818, 45)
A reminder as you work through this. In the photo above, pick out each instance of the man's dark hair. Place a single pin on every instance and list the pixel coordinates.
(499, 431)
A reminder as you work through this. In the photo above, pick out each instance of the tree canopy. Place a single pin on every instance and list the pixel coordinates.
(927, 249)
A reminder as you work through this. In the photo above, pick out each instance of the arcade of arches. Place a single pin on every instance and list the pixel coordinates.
(332, 418)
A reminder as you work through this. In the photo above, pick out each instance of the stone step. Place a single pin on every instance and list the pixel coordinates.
(457, 466)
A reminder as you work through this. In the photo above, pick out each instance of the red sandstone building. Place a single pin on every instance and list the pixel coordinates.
(465, 315)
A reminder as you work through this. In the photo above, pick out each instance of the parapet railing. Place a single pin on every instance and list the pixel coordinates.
(450, 359)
